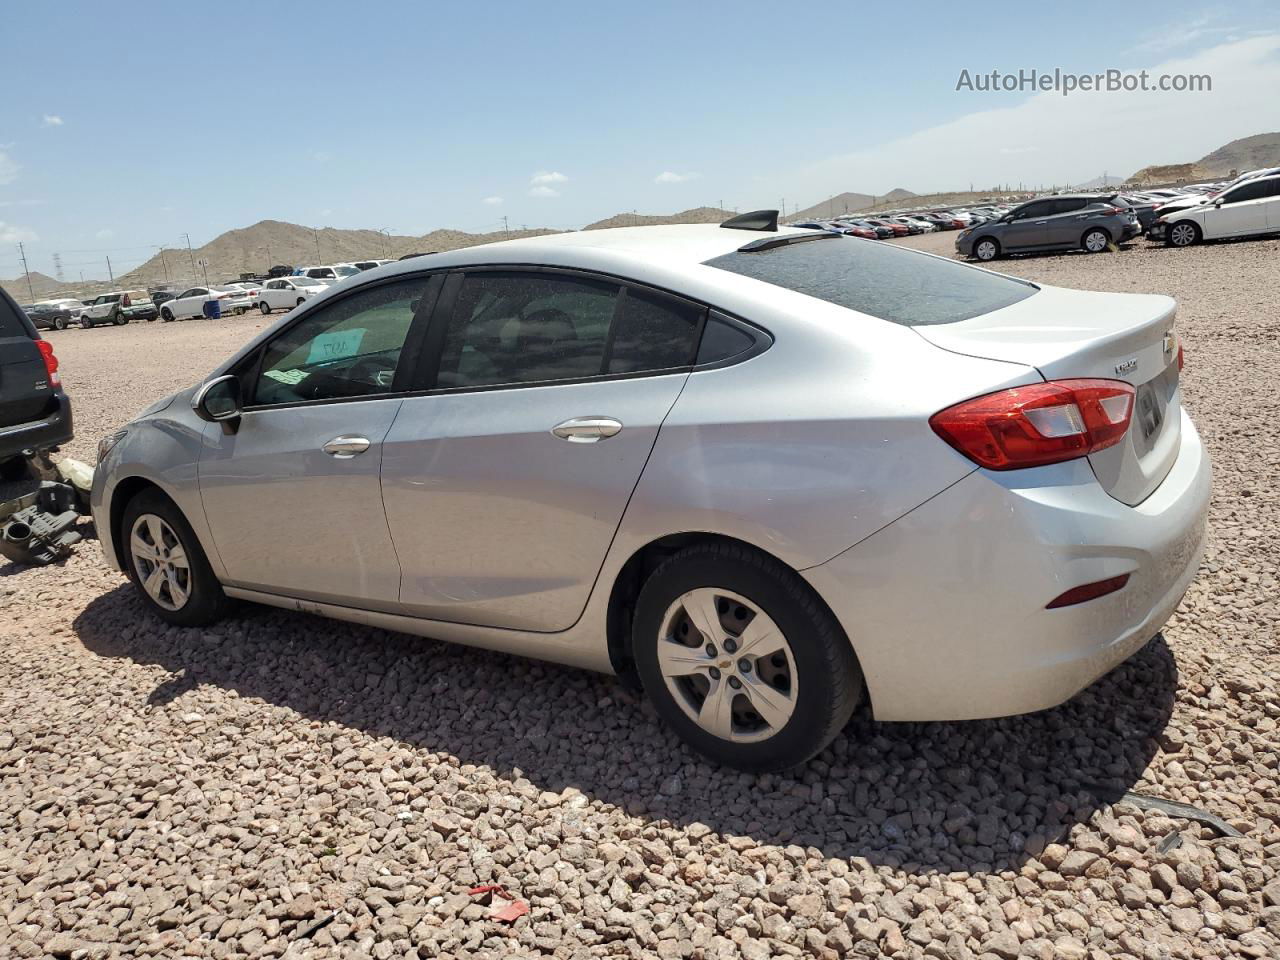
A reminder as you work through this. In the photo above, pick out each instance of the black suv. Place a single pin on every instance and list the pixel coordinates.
(34, 412)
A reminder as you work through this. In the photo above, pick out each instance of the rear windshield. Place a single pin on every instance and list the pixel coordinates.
(879, 279)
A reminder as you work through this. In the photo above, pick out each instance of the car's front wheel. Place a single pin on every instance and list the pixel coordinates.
(264, 307)
(167, 564)
(166, 315)
(986, 249)
(1184, 234)
(742, 659)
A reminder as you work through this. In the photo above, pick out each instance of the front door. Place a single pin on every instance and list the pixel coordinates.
(1243, 211)
(1029, 227)
(293, 496)
(505, 484)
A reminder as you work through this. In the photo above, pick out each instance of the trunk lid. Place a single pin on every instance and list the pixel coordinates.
(1115, 336)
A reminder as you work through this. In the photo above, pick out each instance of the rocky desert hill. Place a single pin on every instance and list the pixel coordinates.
(1247, 153)
(843, 203)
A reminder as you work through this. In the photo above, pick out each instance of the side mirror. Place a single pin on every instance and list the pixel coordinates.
(1217, 203)
(218, 401)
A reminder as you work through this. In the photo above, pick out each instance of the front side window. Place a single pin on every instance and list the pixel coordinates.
(1253, 190)
(512, 328)
(350, 348)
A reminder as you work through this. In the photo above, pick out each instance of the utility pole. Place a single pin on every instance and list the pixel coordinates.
(164, 263)
(506, 230)
(23, 253)
(191, 256)
(386, 240)
(111, 275)
(316, 236)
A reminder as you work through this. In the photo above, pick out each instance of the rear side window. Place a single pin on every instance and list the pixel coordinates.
(653, 331)
(509, 328)
(11, 323)
(881, 280)
(722, 341)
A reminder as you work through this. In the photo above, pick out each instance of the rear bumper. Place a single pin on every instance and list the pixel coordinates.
(946, 606)
(49, 431)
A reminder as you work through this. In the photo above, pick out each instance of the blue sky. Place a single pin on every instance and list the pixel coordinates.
(124, 126)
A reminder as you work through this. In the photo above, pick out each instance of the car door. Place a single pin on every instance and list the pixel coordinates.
(1066, 221)
(505, 482)
(293, 495)
(1242, 210)
(190, 303)
(1027, 228)
(1272, 204)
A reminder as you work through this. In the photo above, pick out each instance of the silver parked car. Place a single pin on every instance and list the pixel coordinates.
(772, 473)
(1082, 222)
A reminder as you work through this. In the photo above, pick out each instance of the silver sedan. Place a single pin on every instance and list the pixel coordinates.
(772, 474)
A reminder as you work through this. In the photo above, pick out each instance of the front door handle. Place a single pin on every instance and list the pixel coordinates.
(587, 429)
(344, 448)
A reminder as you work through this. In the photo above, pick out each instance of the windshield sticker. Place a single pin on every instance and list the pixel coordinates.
(336, 345)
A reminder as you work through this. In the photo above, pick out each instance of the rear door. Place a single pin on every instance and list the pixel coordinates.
(505, 483)
(1067, 221)
(25, 389)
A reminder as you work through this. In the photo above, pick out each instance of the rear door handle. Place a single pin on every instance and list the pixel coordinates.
(344, 448)
(587, 429)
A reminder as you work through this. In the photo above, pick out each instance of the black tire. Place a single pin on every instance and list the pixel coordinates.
(121, 320)
(1095, 240)
(1180, 236)
(301, 301)
(986, 249)
(265, 308)
(166, 315)
(59, 323)
(829, 681)
(86, 323)
(206, 602)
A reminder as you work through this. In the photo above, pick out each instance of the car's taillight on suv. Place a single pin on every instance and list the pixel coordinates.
(50, 362)
(1038, 424)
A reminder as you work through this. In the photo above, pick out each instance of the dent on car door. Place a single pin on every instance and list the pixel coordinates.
(505, 484)
(293, 495)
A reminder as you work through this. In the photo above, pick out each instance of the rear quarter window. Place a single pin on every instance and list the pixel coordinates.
(879, 279)
(12, 323)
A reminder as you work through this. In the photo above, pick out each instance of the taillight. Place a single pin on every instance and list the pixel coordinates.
(50, 362)
(1038, 424)
(125, 301)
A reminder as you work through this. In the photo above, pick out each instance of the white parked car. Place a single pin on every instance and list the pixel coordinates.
(190, 303)
(285, 293)
(363, 265)
(333, 273)
(1247, 209)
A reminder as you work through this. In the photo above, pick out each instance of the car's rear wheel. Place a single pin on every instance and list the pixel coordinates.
(1184, 234)
(166, 315)
(167, 564)
(86, 323)
(1095, 240)
(986, 249)
(121, 320)
(264, 307)
(59, 323)
(742, 659)
(301, 301)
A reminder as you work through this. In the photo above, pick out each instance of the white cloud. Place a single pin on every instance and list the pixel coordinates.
(12, 233)
(1077, 137)
(51, 120)
(544, 191)
(1175, 35)
(668, 176)
(8, 169)
(492, 201)
(545, 177)
(106, 233)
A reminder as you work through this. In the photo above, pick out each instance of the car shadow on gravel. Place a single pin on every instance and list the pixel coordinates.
(976, 797)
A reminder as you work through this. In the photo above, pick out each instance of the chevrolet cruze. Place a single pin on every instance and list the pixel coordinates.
(770, 473)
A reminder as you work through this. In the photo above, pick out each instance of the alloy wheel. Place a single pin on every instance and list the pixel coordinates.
(160, 561)
(727, 665)
(1182, 235)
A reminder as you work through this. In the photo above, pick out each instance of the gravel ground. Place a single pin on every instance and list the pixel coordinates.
(284, 785)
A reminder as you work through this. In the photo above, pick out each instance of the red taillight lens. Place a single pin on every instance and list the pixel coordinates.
(1089, 591)
(1038, 424)
(50, 362)
(125, 301)
(1180, 360)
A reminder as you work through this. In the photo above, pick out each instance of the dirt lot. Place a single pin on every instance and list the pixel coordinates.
(286, 785)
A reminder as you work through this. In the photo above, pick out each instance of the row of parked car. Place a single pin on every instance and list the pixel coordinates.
(1248, 205)
(282, 288)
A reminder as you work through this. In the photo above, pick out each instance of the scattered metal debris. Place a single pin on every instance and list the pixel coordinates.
(315, 926)
(1172, 807)
(36, 528)
(1170, 841)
